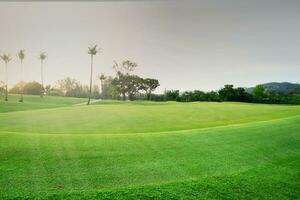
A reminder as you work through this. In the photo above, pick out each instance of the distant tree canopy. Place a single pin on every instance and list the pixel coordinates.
(229, 93)
(33, 88)
(132, 87)
(66, 87)
(149, 85)
(2, 87)
(128, 85)
(108, 89)
(73, 88)
(124, 83)
(259, 93)
(172, 95)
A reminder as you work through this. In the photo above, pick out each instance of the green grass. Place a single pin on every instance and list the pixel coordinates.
(139, 118)
(151, 151)
(36, 102)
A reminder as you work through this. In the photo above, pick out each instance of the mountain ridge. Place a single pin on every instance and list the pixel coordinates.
(279, 87)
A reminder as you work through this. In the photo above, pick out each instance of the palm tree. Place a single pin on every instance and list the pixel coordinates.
(42, 57)
(92, 51)
(6, 58)
(102, 79)
(21, 56)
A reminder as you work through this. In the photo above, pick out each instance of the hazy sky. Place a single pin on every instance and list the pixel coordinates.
(201, 44)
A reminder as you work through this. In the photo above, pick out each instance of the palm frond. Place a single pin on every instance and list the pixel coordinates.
(43, 56)
(21, 54)
(102, 77)
(6, 57)
(93, 50)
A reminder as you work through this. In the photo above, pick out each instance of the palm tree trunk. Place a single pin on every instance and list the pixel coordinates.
(101, 89)
(91, 78)
(21, 91)
(42, 79)
(6, 98)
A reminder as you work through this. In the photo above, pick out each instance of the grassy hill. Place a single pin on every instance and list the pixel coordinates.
(146, 150)
(32, 102)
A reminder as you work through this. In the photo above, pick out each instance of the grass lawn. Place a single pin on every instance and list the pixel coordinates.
(145, 150)
(32, 102)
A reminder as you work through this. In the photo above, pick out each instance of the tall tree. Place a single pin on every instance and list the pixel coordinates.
(121, 82)
(258, 93)
(42, 57)
(134, 85)
(21, 56)
(125, 68)
(92, 51)
(102, 79)
(227, 93)
(6, 58)
(149, 85)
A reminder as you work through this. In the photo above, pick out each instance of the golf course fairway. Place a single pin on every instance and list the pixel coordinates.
(53, 148)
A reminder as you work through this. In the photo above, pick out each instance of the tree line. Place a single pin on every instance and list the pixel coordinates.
(134, 87)
(124, 85)
(229, 93)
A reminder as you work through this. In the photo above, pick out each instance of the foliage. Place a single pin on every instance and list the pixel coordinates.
(128, 85)
(157, 97)
(229, 93)
(125, 67)
(212, 96)
(66, 87)
(42, 56)
(33, 88)
(16, 88)
(197, 95)
(73, 88)
(6, 58)
(2, 87)
(149, 85)
(134, 85)
(123, 82)
(258, 93)
(21, 55)
(93, 50)
(107, 88)
(172, 95)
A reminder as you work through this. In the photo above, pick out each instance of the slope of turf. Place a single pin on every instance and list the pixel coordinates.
(36, 102)
(139, 117)
(207, 151)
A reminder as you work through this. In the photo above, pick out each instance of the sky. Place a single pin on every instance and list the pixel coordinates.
(186, 45)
